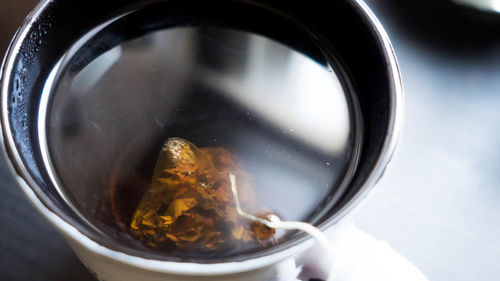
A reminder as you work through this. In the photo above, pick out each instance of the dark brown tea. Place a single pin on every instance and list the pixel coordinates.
(283, 120)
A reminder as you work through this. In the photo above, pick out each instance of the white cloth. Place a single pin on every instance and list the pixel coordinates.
(359, 257)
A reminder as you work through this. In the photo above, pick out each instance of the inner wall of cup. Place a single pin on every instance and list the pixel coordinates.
(365, 65)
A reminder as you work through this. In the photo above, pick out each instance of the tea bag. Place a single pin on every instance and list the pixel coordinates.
(191, 205)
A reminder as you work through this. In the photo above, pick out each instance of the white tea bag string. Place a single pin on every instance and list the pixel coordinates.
(276, 223)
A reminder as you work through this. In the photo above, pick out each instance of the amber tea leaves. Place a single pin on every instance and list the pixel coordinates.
(190, 203)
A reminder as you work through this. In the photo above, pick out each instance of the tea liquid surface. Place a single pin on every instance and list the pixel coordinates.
(290, 119)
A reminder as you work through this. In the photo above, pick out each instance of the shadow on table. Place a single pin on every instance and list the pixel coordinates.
(443, 26)
(30, 248)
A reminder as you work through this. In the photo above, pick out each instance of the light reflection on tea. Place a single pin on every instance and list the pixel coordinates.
(288, 120)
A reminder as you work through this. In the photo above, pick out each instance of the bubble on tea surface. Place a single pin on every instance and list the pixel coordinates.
(190, 204)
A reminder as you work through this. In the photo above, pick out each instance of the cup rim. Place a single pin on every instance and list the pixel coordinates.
(24, 179)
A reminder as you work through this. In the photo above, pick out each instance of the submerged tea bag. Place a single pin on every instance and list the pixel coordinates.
(190, 203)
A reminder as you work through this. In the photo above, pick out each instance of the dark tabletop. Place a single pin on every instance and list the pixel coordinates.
(439, 202)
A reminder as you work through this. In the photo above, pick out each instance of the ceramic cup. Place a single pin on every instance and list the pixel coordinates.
(51, 29)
